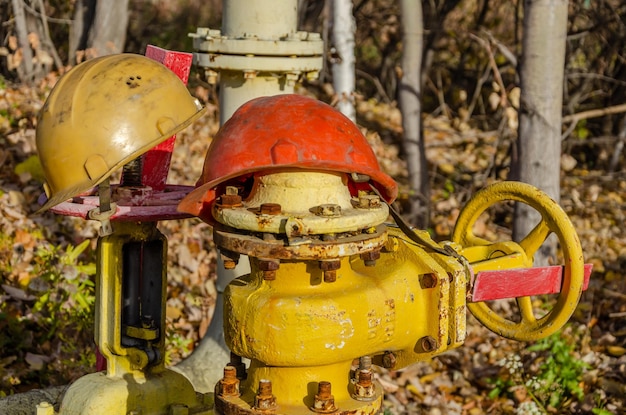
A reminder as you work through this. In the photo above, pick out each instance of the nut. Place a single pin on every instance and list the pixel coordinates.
(327, 210)
(428, 343)
(330, 268)
(364, 387)
(264, 400)
(389, 360)
(268, 268)
(428, 280)
(324, 401)
(370, 257)
(229, 384)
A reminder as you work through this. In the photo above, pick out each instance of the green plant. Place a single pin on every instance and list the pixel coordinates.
(550, 378)
(46, 323)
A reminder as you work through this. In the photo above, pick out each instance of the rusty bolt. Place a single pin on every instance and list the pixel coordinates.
(364, 387)
(264, 400)
(389, 360)
(231, 198)
(229, 384)
(237, 363)
(228, 261)
(270, 209)
(428, 280)
(370, 257)
(327, 210)
(269, 267)
(330, 268)
(428, 343)
(324, 401)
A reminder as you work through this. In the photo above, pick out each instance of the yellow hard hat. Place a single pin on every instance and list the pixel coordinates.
(104, 113)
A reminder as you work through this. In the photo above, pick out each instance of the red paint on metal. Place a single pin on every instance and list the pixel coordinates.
(155, 207)
(285, 132)
(156, 162)
(522, 282)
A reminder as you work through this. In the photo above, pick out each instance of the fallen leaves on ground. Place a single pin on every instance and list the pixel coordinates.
(462, 160)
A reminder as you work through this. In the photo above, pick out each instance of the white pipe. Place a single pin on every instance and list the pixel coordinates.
(258, 52)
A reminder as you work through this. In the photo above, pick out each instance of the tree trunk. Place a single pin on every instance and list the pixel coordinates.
(409, 96)
(25, 69)
(343, 66)
(99, 29)
(541, 75)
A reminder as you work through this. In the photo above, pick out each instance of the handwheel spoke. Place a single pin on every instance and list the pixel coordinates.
(533, 241)
(526, 309)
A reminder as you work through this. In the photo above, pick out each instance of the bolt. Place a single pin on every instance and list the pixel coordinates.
(230, 261)
(389, 360)
(391, 245)
(178, 409)
(428, 343)
(365, 362)
(324, 401)
(249, 74)
(45, 408)
(364, 387)
(328, 210)
(270, 209)
(231, 198)
(368, 202)
(291, 78)
(369, 258)
(237, 363)
(360, 178)
(330, 268)
(429, 280)
(210, 76)
(268, 268)
(229, 384)
(264, 400)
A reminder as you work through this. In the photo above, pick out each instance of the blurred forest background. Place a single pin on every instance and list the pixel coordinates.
(470, 102)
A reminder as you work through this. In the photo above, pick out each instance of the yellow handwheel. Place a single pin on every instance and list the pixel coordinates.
(553, 220)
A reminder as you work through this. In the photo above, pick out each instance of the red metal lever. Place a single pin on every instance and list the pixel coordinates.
(522, 282)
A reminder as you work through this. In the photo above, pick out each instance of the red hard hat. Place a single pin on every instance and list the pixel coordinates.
(284, 132)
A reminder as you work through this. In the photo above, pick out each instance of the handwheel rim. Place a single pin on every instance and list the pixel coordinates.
(559, 224)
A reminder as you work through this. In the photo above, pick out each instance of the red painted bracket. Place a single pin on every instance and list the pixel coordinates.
(522, 282)
(156, 162)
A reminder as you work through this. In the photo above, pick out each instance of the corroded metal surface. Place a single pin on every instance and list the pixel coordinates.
(149, 206)
(305, 248)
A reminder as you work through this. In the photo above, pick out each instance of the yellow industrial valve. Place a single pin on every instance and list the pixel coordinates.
(334, 288)
(104, 115)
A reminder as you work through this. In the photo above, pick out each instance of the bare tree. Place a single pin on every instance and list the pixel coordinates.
(541, 79)
(409, 96)
(99, 28)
